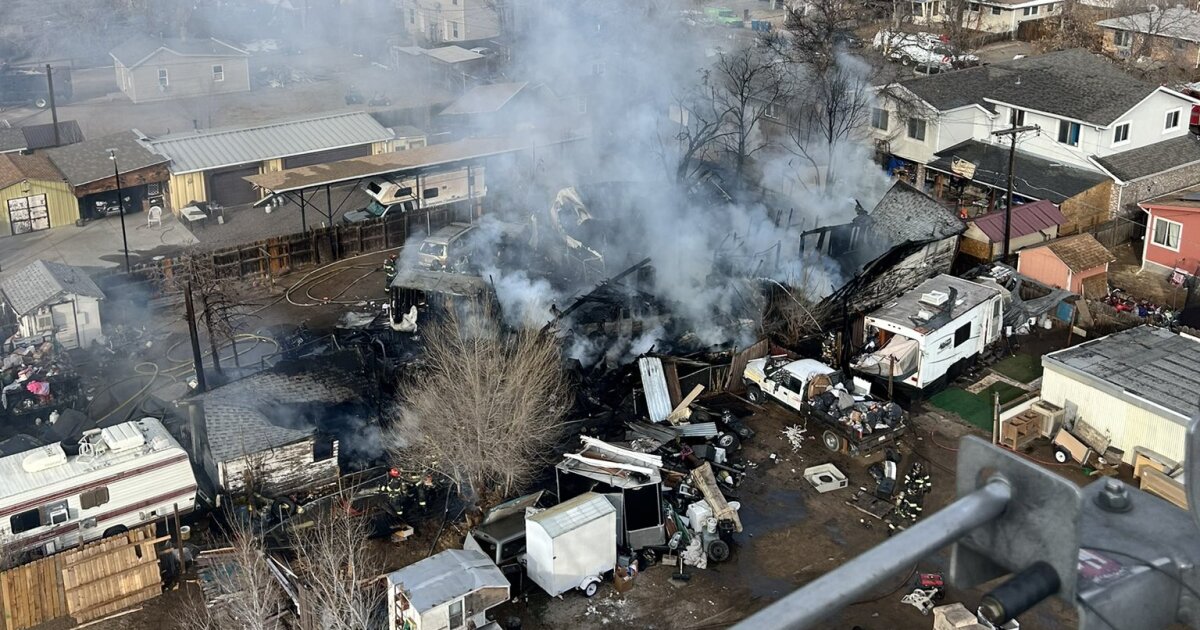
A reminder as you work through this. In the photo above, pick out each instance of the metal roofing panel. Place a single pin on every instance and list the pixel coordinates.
(446, 576)
(208, 150)
(570, 515)
(654, 382)
(1026, 219)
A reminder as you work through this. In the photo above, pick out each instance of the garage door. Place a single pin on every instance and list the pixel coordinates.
(228, 188)
(324, 157)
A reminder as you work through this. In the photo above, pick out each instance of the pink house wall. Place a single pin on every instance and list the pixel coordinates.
(1042, 265)
(1188, 256)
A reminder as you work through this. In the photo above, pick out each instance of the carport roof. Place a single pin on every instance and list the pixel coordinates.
(213, 149)
(386, 163)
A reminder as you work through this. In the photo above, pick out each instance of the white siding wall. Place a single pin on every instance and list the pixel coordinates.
(84, 311)
(1126, 424)
(942, 130)
(279, 469)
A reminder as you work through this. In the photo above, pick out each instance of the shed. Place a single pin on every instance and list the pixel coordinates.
(1031, 223)
(211, 165)
(150, 69)
(53, 298)
(33, 195)
(42, 136)
(451, 589)
(1076, 263)
(1137, 387)
(89, 169)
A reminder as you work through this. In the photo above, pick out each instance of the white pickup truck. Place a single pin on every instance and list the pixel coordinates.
(854, 423)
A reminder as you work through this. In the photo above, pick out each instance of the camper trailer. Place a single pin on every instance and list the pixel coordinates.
(451, 590)
(395, 196)
(925, 337)
(113, 479)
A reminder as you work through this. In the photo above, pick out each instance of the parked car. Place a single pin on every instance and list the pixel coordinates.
(440, 248)
(723, 16)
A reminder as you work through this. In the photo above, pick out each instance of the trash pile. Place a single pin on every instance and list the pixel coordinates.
(280, 76)
(863, 417)
(36, 378)
(897, 503)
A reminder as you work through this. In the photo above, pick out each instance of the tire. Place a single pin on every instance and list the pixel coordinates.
(591, 588)
(832, 441)
(718, 550)
(1061, 456)
(755, 394)
(114, 531)
(728, 441)
(41, 103)
(906, 60)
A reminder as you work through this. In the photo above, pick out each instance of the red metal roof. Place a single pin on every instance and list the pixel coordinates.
(1026, 219)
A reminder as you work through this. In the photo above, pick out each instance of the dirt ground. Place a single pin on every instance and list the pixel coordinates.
(792, 533)
(1126, 273)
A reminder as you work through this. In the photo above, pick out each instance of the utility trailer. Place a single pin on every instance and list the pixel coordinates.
(572, 545)
(850, 423)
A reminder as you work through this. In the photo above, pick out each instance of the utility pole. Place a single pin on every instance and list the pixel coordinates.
(112, 155)
(1011, 132)
(197, 361)
(53, 107)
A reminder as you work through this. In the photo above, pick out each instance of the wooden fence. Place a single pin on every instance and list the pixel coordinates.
(86, 583)
(1117, 231)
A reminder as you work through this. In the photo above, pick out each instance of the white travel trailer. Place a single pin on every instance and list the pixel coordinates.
(114, 479)
(925, 336)
(451, 590)
(572, 545)
(397, 195)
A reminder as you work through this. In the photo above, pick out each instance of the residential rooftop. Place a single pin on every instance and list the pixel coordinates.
(484, 99)
(1073, 84)
(17, 167)
(904, 309)
(1037, 178)
(1142, 162)
(1148, 364)
(905, 213)
(1080, 252)
(43, 282)
(86, 162)
(136, 50)
(219, 148)
(1187, 198)
(1177, 22)
(1027, 218)
(42, 136)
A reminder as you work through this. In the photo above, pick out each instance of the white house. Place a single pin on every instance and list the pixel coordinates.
(451, 590)
(1088, 117)
(49, 298)
(1138, 387)
(999, 16)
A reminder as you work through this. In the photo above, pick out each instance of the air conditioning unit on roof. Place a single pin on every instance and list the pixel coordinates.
(935, 298)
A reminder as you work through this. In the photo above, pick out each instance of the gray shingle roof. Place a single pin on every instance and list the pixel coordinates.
(1176, 22)
(1037, 178)
(1080, 252)
(241, 416)
(11, 139)
(1070, 83)
(484, 99)
(1152, 159)
(1149, 363)
(205, 150)
(42, 136)
(86, 162)
(134, 51)
(446, 576)
(908, 214)
(43, 282)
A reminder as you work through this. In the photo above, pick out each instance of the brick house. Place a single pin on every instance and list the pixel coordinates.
(1076, 263)
(1173, 233)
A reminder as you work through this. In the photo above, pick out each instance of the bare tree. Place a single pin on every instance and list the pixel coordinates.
(249, 597)
(486, 408)
(832, 113)
(339, 571)
(220, 304)
(751, 85)
(696, 127)
(1146, 34)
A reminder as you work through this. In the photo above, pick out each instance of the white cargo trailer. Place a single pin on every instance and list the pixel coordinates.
(572, 545)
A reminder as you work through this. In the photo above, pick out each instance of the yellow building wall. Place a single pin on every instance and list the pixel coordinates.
(269, 166)
(1125, 424)
(63, 206)
(187, 188)
(382, 147)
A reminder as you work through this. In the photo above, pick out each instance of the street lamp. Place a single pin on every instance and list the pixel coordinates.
(112, 155)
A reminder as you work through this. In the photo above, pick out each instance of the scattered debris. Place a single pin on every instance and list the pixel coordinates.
(825, 478)
(794, 434)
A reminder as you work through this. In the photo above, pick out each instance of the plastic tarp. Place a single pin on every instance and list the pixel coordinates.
(1020, 313)
(904, 351)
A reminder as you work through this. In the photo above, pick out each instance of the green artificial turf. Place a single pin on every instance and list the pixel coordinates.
(1023, 368)
(971, 408)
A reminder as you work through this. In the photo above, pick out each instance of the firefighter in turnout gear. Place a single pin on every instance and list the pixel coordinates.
(389, 268)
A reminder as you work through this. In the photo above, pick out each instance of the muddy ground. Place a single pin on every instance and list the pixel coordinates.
(792, 533)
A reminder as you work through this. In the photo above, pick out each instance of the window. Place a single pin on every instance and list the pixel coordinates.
(1031, 10)
(218, 73)
(1167, 233)
(456, 614)
(25, 521)
(1016, 117)
(962, 334)
(879, 118)
(406, 191)
(454, 29)
(1068, 132)
(598, 68)
(429, 193)
(162, 78)
(580, 105)
(1172, 121)
(1120, 134)
(412, 16)
(94, 497)
(916, 129)
(995, 10)
(1122, 39)
(973, 7)
(1180, 44)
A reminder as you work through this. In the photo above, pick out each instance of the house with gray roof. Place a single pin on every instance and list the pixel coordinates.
(1138, 387)
(90, 168)
(150, 69)
(53, 299)
(1082, 111)
(1168, 35)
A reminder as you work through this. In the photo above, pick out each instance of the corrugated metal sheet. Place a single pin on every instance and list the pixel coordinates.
(654, 383)
(209, 150)
(1026, 219)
